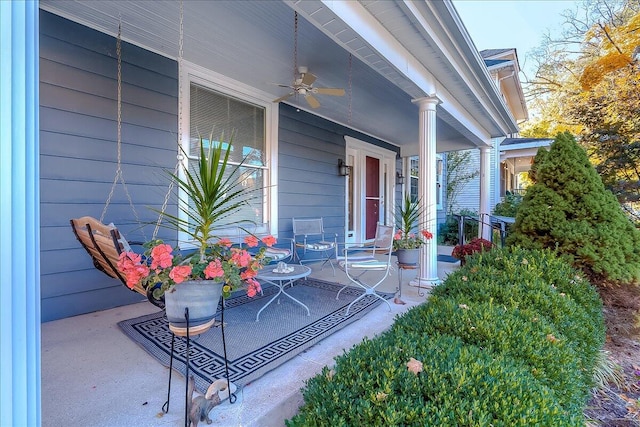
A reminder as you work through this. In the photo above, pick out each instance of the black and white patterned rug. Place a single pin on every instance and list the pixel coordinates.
(254, 348)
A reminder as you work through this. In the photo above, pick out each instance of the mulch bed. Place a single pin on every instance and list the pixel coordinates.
(618, 404)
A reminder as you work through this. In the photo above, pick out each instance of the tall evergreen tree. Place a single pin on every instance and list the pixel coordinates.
(539, 158)
(569, 209)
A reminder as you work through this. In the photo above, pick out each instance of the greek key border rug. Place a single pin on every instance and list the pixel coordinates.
(254, 348)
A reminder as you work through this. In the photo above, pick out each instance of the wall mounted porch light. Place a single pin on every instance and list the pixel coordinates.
(399, 178)
(343, 168)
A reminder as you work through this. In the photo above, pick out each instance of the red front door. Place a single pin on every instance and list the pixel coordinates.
(372, 196)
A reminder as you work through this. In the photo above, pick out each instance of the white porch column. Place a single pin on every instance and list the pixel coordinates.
(19, 215)
(484, 230)
(428, 274)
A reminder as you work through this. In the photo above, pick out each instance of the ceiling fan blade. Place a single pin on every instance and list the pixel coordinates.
(329, 91)
(313, 102)
(308, 79)
(282, 98)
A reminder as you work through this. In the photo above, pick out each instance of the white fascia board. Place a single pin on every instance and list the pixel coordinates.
(497, 67)
(436, 40)
(525, 152)
(453, 107)
(532, 144)
(361, 21)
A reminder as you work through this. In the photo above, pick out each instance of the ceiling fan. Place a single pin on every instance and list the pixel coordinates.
(303, 85)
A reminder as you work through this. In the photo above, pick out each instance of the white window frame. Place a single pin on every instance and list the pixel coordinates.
(439, 178)
(192, 73)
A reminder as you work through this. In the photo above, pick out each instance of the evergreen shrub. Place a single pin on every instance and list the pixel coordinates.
(511, 339)
(508, 206)
(568, 209)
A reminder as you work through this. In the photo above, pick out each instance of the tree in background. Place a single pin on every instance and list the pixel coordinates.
(588, 82)
(569, 210)
(458, 175)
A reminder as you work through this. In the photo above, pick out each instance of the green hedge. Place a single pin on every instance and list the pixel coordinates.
(508, 340)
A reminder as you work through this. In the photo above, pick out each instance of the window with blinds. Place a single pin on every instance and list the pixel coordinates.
(216, 118)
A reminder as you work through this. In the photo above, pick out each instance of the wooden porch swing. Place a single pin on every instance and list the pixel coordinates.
(104, 243)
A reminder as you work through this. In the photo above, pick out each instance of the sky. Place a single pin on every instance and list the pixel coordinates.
(497, 24)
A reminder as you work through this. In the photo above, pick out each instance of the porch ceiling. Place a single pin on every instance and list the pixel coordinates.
(252, 42)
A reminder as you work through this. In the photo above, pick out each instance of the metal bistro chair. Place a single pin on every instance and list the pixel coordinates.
(309, 238)
(359, 260)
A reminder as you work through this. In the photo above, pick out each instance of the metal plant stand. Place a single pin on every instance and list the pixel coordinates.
(232, 396)
(401, 268)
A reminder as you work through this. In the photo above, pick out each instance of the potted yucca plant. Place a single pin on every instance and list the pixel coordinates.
(408, 239)
(210, 197)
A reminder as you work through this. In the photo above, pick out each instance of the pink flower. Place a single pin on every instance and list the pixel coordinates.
(128, 260)
(180, 273)
(160, 269)
(251, 241)
(427, 235)
(136, 274)
(225, 242)
(214, 270)
(253, 287)
(248, 274)
(161, 256)
(131, 265)
(240, 258)
(398, 235)
(269, 240)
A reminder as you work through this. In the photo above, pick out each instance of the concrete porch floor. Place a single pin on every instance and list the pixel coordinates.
(93, 375)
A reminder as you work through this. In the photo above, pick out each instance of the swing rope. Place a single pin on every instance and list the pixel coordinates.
(119, 176)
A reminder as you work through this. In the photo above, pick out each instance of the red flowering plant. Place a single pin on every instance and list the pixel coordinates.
(161, 267)
(407, 219)
(210, 194)
(475, 245)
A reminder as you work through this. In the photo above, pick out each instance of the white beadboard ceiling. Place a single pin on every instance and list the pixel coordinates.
(252, 42)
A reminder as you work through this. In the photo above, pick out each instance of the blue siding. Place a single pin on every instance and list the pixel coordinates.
(309, 184)
(78, 154)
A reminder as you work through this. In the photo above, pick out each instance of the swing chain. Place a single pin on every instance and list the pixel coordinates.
(119, 176)
(350, 90)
